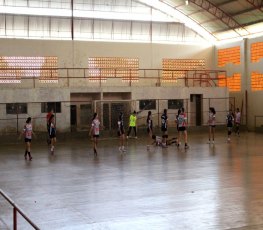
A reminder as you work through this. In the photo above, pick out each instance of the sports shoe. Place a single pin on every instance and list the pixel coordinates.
(213, 142)
(186, 146)
(178, 145)
(136, 137)
(127, 137)
(120, 148)
(228, 139)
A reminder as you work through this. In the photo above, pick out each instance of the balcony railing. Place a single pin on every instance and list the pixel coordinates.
(79, 77)
(16, 210)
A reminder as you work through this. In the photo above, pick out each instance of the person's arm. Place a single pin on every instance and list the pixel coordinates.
(90, 131)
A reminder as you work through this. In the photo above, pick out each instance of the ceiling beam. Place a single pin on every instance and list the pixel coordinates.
(225, 3)
(258, 4)
(218, 13)
(247, 24)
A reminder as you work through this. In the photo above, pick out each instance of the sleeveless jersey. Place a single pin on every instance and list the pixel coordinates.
(28, 131)
(212, 119)
(133, 119)
(164, 119)
(96, 127)
(149, 122)
(181, 120)
(238, 117)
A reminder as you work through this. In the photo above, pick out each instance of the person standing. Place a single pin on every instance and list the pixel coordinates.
(212, 124)
(52, 133)
(28, 131)
(149, 123)
(182, 127)
(49, 114)
(95, 132)
(237, 121)
(132, 124)
(121, 132)
(229, 124)
(164, 127)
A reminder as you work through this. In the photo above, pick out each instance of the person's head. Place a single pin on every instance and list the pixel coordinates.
(51, 110)
(95, 115)
(52, 117)
(28, 120)
(153, 137)
(165, 111)
(134, 112)
(237, 109)
(120, 115)
(149, 113)
(179, 111)
(212, 110)
(182, 109)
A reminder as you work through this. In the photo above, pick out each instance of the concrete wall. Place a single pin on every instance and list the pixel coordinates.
(76, 53)
(253, 107)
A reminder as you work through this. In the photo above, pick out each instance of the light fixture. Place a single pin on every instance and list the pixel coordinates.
(186, 2)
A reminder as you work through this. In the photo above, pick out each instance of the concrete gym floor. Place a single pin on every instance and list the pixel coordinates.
(216, 186)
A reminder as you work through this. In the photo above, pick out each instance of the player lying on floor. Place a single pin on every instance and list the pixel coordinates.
(158, 140)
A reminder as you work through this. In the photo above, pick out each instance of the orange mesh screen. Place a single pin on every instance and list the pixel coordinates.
(256, 51)
(175, 68)
(233, 83)
(256, 81)
(229, 55)
(12, 69)
(108, 67)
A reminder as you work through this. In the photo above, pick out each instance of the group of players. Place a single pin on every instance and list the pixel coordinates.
(232, 119)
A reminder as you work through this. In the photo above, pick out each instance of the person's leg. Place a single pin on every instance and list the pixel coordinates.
(53, 142)
(129, 130)
(25, 155)
(185, 139)
(229, 131)
(179, 138)
(213, 134)
(210, 131)
(150, 133)
(164, 138)
(135, 131)
(237, 129)
(123, 140)
(95, 144)
(29, 150)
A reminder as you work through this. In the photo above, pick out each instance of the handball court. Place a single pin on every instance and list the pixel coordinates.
(216, 186)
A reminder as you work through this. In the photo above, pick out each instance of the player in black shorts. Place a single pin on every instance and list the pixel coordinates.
(164, 126)
(121, 132)
(149, 123)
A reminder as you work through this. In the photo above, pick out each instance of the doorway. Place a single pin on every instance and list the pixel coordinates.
(196, 109)
(73, 117)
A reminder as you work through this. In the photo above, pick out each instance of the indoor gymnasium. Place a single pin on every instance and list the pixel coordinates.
(131, 114)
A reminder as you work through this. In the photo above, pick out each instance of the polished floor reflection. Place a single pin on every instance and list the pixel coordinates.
(216, 186)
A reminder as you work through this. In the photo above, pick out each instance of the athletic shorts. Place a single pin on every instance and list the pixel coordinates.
(120, 132)
(53, 135)
(149, 130)
(181, 128)
(164, 129)
(96, 136)
(27, 140)
(213, 126)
